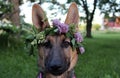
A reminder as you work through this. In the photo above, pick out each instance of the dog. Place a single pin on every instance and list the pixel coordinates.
(57, 58)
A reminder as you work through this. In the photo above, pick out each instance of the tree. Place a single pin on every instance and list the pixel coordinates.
(88, 12)
(5, 9)
(106, 6)
(10, 10)
(83, 3)
(109, 6)
(15, 17)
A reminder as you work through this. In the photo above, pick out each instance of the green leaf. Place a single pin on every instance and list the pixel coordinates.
(55, 30)
(68, 35)
(34, 29)
(29, 37)
(34, 42)
(73, 42)
(79, 44)
(68, 1)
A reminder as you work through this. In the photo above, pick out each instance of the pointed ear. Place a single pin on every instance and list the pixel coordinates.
(72, 15)
(39, 18)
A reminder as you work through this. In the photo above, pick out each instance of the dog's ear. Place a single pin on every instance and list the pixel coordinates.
(72, 15)
(73, 18)
(39, 17)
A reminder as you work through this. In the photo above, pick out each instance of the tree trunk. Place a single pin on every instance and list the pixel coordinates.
(15, 18)
(89, 16)
(88, 29)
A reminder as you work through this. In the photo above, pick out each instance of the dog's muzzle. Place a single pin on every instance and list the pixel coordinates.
(56, 67)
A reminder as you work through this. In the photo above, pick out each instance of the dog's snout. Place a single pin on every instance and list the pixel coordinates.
(55, 67)
(56, 64)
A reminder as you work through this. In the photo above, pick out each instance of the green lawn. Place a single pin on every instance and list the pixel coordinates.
(101, 59)
(15, 62)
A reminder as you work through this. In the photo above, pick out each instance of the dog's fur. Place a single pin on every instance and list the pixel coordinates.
(56, 56)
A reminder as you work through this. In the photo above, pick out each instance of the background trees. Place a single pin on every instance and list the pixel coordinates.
(109, 7)
(10, 10)
(89, 13)
(88, 8)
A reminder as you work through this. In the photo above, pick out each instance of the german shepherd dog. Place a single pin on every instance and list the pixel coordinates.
(56, 57)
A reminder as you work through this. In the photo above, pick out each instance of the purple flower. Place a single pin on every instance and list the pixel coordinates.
(63, 28)
(82, 50)
(78, 37)
(40, 76)
(56, 23)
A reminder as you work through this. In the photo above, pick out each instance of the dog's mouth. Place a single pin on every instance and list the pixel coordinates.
(58, 70)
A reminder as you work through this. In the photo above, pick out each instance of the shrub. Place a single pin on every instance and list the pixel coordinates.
(82, 27)
(96, 27)
(26, 32)
(8, 28)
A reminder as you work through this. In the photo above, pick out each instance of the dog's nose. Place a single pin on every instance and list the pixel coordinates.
(56, 67)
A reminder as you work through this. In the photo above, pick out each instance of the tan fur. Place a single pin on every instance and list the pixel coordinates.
(72, 18)
(37, 15)
(73, 15)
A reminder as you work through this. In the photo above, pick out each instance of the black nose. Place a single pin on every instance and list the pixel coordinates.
(56, 67)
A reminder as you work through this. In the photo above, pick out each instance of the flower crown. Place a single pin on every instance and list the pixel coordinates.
(68, 31)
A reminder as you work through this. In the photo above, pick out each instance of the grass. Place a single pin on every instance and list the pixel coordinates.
(15, 61)
(101, 59)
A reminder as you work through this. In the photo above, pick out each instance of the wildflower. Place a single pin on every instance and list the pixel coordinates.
(82, 50)
(56, 23)
(63, 28)
(78, 37)
(40, 76)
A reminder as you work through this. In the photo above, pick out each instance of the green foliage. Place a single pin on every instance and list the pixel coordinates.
(14, 61)
(5, 7)
(26, 32)
(109, 6)
(77, 1)
(96, 26)
(8, 28)
(29, 33)
(82, 27)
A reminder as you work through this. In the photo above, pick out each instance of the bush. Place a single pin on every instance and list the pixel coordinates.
(8, 28)
(82, 27)
(26, 32)
(96, 27)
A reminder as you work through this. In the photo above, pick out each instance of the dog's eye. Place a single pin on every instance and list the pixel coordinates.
(47, 44)
(65, 44)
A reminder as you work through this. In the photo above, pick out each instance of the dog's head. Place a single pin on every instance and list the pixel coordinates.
(56, 54)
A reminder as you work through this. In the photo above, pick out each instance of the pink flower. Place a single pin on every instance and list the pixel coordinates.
(62, 28)
(78, 37)
(82, 50)
(56, 23)
(40, 76)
